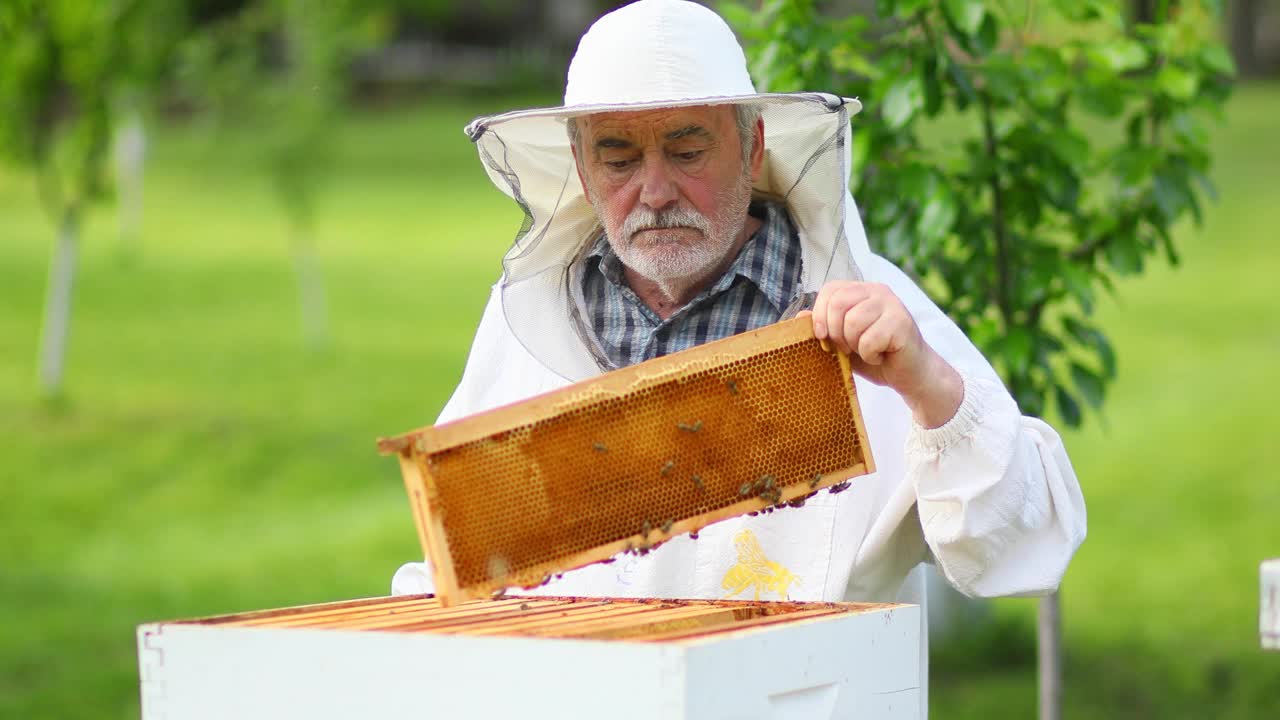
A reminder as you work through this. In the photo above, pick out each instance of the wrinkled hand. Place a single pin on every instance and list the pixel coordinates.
(869, 323)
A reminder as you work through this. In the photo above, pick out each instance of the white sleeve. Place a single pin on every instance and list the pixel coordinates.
(413, 579)
(998, 500)
(482, 368)
(478, 374)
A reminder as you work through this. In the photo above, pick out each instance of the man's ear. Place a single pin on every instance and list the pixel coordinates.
(757, 150)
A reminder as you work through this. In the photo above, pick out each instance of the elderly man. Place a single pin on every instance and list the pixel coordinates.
(668, 205)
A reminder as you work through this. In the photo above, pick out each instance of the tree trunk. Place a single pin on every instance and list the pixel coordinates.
(311, 303)
(131, 150)
(1143, 11)
(1244, 36)
(56, 326)
(1049, 647)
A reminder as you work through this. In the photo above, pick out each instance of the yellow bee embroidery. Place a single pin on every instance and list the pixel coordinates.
(754, 570)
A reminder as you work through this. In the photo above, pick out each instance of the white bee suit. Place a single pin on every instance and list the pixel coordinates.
(990, 496)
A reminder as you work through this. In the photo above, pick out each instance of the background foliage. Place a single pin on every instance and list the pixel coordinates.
(1015, 157)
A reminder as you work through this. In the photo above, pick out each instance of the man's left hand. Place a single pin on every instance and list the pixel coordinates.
(869, 323)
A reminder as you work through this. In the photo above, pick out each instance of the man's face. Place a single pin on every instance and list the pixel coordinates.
(670, 186)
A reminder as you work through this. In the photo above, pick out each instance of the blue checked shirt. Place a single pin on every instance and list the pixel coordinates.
(754, 291)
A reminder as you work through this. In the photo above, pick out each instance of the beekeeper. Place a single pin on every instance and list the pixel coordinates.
(669, 204)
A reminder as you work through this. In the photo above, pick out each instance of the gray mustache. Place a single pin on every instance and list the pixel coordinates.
(643, 218)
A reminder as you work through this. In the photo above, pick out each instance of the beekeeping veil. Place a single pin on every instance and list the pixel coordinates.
(657, 53)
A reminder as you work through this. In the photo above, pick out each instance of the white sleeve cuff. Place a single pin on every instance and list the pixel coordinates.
(962, 425)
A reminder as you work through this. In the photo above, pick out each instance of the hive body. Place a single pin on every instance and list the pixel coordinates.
(626, 460)
(537, 658)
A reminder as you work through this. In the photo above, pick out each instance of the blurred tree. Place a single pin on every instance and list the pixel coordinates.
(985, 166)
(62, 65)
(280, 64)
(1244, 16)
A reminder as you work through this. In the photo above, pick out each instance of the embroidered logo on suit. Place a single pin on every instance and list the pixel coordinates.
(754, 570)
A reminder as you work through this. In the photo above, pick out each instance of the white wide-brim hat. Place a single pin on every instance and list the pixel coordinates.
(657, 54)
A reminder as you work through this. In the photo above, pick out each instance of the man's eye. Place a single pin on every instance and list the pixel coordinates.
(688, 156)
(618, 164)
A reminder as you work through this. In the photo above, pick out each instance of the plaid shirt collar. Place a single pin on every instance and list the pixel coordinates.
(769, 260)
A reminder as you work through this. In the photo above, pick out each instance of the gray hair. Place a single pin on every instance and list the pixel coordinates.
(746, 116)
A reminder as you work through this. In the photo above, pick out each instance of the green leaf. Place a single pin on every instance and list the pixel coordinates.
(932, 88)
(1068, 408)
(988, 35)
(1016, 349)
(1070, 147)
(1121, 55)
(1125, 256)
(939, 214)
(964, 87)
(966, 14)
(739, 17)
(1089, 384)
(1106, 354)
(1170, 196)
(903, 100)
(1177, 83)
(898, 242)
(1215, 58)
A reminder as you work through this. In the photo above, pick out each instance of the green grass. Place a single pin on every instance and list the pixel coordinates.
(204, 462)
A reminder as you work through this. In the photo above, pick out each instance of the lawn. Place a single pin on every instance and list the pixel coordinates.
(204, 461)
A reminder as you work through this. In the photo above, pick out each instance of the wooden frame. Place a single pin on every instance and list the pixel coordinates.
(421, 450)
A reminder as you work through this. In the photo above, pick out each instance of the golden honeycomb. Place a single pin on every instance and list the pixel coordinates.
(626, 460)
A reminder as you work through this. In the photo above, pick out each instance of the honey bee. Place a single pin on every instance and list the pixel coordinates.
(733, 385)
(697, 482)
(666, 526)
(692, 428)
(599, 447)
(813, 481)
(666, 469)
(745, 489)
(645, 527)
(524, 606)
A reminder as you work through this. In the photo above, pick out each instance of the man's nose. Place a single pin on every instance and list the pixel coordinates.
(658, 188)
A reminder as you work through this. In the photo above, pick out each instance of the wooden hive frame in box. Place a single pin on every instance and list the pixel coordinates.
(622, 462)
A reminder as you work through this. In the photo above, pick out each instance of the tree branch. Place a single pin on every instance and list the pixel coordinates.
(1004, 294)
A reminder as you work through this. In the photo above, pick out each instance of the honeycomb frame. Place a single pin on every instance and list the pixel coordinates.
(624, 461)
(629, 620)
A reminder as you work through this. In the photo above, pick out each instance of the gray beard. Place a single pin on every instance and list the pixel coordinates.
(670, 262)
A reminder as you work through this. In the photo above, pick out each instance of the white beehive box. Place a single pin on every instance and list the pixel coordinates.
(537, 658)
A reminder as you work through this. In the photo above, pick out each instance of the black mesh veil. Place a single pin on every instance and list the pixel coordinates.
(527, 155)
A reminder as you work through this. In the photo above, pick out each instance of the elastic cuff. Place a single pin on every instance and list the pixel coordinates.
(960, 426)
